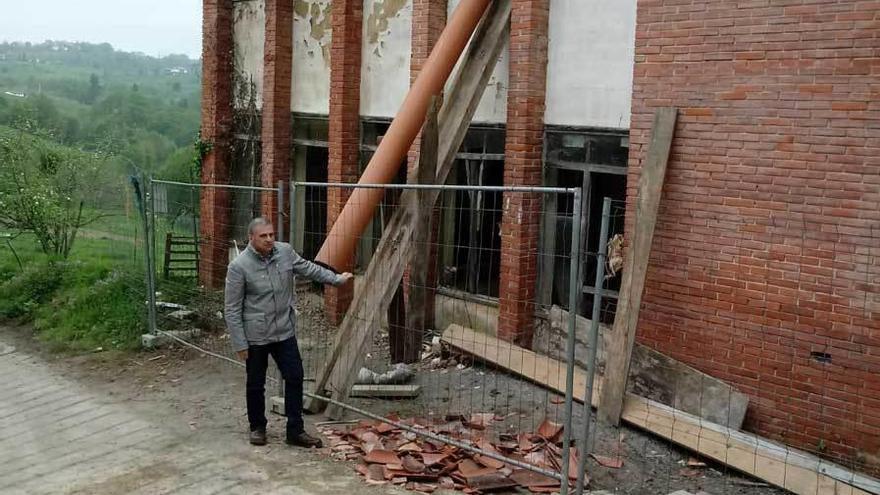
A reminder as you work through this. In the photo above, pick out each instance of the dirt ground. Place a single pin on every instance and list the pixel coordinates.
(181, 385)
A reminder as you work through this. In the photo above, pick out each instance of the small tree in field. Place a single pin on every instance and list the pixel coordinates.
(44, 189)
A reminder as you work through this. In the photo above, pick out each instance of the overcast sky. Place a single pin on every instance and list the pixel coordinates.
(154, 27)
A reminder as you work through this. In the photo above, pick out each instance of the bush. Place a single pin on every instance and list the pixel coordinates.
(22, 294)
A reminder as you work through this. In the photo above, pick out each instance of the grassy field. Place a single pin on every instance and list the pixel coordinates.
(95, 298)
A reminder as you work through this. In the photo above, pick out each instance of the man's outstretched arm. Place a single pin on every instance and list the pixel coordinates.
(312, 271)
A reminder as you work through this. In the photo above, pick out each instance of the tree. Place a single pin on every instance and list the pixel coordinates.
(43, 190)
(94, 89)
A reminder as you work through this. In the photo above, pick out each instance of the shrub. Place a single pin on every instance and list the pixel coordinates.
(22, 294)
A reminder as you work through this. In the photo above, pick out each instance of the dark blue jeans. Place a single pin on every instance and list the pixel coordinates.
(287, 357)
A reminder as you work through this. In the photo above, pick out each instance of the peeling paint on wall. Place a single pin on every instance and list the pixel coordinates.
(312, 34)
(379, 16)
(387, 44)
(493, 105)
(249, 34)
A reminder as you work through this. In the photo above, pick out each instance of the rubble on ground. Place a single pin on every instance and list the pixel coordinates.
(389, 455)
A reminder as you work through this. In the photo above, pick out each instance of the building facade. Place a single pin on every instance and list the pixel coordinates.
(764, 267)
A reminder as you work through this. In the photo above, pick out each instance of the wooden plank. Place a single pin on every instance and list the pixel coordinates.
(167, 254)
(540, 369)
(619, 342)
(659, 377)
(792, 469)
(393, 253)
(416, 310)
(788, 468)
(386, 391)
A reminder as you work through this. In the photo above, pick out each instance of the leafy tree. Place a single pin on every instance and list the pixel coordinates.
(44, 188)
(94, 89)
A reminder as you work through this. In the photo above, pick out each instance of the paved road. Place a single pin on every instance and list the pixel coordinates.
(58, 436)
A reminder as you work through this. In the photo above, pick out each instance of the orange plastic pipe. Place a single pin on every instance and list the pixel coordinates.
(338, 248)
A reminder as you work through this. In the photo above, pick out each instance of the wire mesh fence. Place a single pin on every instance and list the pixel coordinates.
(185, 309)
(464, 373)
(459, 377)
(465, 391)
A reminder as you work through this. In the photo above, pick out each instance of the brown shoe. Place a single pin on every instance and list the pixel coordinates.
(304, 440)
(258, 436)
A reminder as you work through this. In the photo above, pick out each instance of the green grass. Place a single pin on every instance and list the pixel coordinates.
(96, 297)
(93, 299)
(95, 308)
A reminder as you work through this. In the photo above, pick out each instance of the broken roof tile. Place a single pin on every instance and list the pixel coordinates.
(431, 459)
(412, 465)
(379, 456)
(490, 482)
(549, 430)
(488, 461)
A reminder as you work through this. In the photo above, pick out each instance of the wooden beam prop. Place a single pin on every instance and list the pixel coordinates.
(393, 253)
(416, 303)
(792, 469)
(619, 342)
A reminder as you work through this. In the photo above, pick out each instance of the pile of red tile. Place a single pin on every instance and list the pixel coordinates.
(387, 455)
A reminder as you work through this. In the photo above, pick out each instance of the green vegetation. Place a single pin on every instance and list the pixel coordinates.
(89, 96)
(76, 120)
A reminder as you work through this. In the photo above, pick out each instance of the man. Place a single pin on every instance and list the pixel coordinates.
(261, 320)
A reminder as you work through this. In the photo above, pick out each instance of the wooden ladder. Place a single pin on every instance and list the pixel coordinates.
(181, 256)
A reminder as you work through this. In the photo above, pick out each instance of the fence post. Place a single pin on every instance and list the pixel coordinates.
(279, 223)
(593, 342)
(150, 275)
(291, 226)
(573, 298)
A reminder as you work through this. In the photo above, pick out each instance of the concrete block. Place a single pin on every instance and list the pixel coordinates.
(154, 341)
(276, 405)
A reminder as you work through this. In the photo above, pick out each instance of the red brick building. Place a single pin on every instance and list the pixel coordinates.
(764, 269)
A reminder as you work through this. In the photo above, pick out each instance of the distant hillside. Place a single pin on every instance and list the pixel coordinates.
(94, 97)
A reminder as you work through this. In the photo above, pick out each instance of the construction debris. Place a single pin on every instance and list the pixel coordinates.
(401, 373)
(386, 391)
(615, 256)
(388, 455)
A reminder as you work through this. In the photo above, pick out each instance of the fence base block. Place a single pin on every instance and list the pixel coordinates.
(151, 341)
(276, 405)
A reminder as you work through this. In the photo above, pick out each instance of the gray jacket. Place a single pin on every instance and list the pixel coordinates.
(259, 306)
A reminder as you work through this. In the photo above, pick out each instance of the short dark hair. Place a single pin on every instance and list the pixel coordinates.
(257, 222)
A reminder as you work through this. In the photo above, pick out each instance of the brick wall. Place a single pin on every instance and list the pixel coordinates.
(768, 243)
(344, 132)
(276, 128)
(522, 166)
(216, 129)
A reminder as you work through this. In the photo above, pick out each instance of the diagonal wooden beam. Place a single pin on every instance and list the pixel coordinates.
(395, 249)
(619, 342)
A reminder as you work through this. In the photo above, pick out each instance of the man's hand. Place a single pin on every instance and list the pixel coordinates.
(243, 355)
(346, 277)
